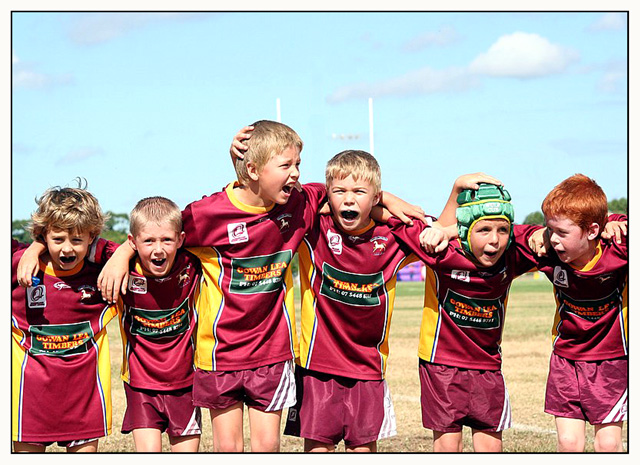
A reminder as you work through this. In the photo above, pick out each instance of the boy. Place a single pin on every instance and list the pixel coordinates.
(158, 326)
(589, 364)
(245, 237)
(466, 292)
(348, 267)
(61, 380)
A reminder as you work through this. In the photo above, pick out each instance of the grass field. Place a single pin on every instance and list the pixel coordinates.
(526, 349)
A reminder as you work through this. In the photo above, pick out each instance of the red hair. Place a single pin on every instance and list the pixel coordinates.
(578, 198)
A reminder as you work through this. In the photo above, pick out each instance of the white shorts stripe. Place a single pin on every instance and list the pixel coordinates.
(505, 419)
(619, 411)
(285, 395)
(388, 427)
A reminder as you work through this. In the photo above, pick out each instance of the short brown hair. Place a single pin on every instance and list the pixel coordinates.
(268, 139)
(155, 210)
(578, 198)
(68, 209)
(358, 163)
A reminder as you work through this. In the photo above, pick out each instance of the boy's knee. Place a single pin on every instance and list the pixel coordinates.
(569, 442)
(266, 443)
(229, 444)
(607, 443)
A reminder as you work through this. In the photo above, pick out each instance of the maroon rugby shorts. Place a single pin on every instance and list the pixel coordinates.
(170, 411)
(592, 391)
(269, 388)
(333, 408)
(453, 397)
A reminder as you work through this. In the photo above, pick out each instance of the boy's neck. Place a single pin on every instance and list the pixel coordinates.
(589, 256)
(250, 195)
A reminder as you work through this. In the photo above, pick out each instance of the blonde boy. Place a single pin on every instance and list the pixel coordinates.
(61, 382)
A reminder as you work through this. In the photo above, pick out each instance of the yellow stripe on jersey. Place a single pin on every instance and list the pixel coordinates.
(125, 374)
(210, 302)
(556, 322)
(625, 313)
(289, 304)
(430, 318)
(308, 298)
(104, 376)
(18, 359)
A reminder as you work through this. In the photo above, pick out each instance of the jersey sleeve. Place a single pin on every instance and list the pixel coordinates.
(101, 251)
(409, 236)
(526, 259)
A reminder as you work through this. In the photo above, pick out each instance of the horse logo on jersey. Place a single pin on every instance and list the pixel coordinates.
(237, 233)
(379, 247)
(183, 278)
(86, 292)
(461, 275)
(60, 285)
(560, 277)
(37, 296)
(335, 242)
(138, 284)
(284, 224)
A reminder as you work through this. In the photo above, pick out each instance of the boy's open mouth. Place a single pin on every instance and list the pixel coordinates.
(67, 260)
(158, 261)
(287, 189)
(349, 214)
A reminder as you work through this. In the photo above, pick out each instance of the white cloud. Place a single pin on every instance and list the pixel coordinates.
(444, 36)
(523, 55)
(613, 82)
(422, 81)
(80, 155)
(26, 75)
(96, 28)
(609, 22)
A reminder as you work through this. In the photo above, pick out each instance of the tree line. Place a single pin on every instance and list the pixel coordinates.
(615, 206)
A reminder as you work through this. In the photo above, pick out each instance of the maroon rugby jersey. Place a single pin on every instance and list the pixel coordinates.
(61, 379)
(246, 313)
(591, 321)
(348, 284)
(158, 323)
(464, 304)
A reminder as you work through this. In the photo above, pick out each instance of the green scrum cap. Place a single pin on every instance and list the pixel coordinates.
(488, 202)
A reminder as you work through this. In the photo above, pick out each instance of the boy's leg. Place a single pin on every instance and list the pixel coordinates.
(608, 437)
(265, 430)
(227, 428)
(316, 446)
(147, 439)
(369, 447)
(447, 442)
(571, 434)
(487, 441)
(185, 443)
(26, 447)
(91, 447)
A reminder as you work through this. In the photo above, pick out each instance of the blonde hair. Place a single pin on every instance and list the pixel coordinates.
(156, 210)
(69, 209)
(358, 163)
(268, 139)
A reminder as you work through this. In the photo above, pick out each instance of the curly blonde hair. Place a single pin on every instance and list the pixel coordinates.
(68, 209)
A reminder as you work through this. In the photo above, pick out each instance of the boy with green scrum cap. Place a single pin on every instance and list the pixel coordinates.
(466, 293)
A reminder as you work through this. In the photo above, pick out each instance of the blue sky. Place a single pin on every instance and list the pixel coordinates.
(145, 104)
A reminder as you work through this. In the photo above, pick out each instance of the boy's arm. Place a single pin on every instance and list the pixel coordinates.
(113, 278)
(466, 181)
(29, 263)
(539, 242)
(614, 229)
(435, 239)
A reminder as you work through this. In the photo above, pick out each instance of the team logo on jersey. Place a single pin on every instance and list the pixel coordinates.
(183, 278)
(60, 285)
(560, 277)
(354, 239)
(351, 288)
(335, 242)
(283, 223)
(138, 284)
(604, 277)
(37, 296)
(160, 323)
(461, 275)
(60, 340)
(293, 414)
(237, 233)
(86, 292)
(379, 246)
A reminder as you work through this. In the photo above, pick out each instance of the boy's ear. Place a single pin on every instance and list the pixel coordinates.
(376, 199)
(252, 171)
(593, 231)
(131, 243)
(180, 239)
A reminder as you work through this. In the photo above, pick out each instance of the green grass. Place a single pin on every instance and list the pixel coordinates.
(526, 349)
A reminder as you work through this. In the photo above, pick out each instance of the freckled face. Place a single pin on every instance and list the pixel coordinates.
(279, 175)
(488, 240)
(570, 242)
